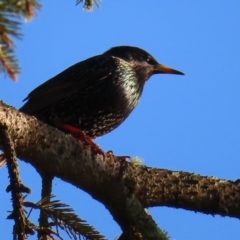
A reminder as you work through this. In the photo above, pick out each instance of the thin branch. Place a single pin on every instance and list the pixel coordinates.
(15, 186)
(45, 194)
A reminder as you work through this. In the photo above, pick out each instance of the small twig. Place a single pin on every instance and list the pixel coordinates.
(46, 193)
(16, 187)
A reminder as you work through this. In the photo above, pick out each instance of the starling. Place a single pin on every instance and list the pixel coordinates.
(97, 94)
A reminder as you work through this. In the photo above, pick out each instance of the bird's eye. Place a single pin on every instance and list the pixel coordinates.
(150, 60)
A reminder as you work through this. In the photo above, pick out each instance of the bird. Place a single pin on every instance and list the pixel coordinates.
(96, 95)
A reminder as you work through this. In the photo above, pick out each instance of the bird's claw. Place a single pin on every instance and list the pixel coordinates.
(121, 158)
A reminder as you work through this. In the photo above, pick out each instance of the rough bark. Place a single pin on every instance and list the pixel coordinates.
(124, 188)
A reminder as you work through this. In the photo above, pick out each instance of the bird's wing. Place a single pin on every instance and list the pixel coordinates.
(74, 78)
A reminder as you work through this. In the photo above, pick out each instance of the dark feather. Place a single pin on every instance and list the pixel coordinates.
(71, 80)
(95, 95)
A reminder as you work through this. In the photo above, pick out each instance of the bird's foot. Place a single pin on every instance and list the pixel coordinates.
(80, 135)
(121, 158)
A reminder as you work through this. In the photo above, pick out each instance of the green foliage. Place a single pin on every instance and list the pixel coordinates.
(63, 217)
(88, 4)
(11, 12)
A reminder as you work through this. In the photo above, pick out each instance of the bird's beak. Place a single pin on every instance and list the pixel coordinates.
(164, 69)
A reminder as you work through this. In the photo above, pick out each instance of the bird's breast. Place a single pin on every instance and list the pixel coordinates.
(129, 88)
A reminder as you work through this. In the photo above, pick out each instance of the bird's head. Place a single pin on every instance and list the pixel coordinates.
(142, 61)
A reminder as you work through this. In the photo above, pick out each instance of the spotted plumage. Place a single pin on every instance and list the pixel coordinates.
(97, 94)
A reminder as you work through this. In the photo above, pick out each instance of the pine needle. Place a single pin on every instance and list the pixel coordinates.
(88, 4)
(64, 217)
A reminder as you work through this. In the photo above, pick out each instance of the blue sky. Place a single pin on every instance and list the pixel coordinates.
(188, 123)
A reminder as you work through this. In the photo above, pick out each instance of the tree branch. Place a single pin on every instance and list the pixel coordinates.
(116, 183)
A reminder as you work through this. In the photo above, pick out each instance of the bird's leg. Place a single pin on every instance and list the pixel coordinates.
(80, 135)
